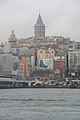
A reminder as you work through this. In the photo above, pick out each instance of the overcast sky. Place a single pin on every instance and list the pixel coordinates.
(61, 18)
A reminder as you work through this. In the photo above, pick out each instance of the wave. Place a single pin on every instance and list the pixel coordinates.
(29, 99)
(15, 99)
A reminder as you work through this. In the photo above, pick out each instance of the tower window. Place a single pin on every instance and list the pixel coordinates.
(41, 51)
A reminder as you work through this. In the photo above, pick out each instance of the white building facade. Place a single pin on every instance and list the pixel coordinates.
(73, 58)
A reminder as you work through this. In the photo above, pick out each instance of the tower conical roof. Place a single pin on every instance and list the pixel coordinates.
(39, 28)
(39, 20)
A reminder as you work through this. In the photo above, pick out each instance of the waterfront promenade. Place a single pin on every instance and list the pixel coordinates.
(14, 83)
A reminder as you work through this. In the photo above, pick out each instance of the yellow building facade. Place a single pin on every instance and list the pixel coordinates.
(49, 53)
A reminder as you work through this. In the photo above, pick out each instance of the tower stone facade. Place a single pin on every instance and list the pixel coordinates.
(39, 28)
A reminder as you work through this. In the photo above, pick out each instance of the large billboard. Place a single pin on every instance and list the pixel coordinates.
(45, 64)
(15, 65)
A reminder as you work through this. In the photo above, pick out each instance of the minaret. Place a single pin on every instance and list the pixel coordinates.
(12, 38)
(39, 28)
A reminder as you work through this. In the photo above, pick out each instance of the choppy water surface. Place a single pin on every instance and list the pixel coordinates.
(39, 104)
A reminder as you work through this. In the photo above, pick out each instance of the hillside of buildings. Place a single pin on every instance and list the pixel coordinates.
(40, 55)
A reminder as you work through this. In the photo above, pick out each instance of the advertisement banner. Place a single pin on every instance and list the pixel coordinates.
(45, 64)
(15, 65)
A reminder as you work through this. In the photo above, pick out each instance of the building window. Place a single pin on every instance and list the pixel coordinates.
(1, 68)
(41, 51)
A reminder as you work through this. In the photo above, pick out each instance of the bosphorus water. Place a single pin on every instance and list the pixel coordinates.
(40, 104)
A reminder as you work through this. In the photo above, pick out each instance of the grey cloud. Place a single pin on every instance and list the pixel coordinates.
(61, 17)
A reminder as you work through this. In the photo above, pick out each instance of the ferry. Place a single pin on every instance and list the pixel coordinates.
(12, 83)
